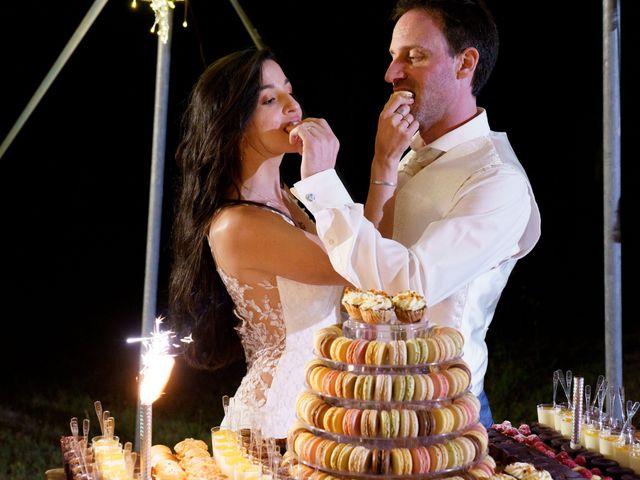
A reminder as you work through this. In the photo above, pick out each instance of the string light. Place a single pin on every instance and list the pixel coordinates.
(184, 21)
(161, 10)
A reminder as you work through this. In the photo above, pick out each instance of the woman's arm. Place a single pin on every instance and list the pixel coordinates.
(246, 238)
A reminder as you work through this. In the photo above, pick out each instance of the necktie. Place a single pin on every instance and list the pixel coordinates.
(418, 159)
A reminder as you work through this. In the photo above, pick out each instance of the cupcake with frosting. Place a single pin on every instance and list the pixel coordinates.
(351, 300)
(377, 307)
(409, 306)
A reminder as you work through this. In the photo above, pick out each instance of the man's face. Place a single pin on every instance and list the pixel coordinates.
(422, 64)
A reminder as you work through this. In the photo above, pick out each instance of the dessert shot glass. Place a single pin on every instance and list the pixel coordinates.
(546, 414)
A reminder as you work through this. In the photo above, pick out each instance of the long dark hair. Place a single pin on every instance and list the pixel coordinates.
(220, 108)
(465, 23)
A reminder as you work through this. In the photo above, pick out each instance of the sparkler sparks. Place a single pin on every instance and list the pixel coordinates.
(157, 361)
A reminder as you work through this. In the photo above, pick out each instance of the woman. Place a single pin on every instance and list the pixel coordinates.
(249, 273)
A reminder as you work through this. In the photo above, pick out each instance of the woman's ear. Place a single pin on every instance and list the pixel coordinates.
(467, 62)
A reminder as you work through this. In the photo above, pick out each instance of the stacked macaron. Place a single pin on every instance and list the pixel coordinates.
(387, 423)
(442, 344)
(356, 458)
(381, 407)
(450, 382)
(300, 471)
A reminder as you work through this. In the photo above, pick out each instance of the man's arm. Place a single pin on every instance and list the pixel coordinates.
(396, 128)
(481, 230)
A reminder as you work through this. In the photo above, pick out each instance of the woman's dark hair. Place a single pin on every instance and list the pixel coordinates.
(465, 23)
(220, 108)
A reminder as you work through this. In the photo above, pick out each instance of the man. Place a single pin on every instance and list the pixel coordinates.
(458, 207)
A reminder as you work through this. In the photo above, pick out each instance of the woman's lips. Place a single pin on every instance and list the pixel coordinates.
(290, 126)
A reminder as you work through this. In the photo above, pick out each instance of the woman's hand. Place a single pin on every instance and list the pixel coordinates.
(317, 144)
(396, 128)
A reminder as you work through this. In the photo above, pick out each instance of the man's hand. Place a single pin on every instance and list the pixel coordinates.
(396, 128)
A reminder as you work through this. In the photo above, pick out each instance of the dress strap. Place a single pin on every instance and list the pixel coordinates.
(264, 206)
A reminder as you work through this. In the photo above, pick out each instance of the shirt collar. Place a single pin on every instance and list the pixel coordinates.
(476, 127)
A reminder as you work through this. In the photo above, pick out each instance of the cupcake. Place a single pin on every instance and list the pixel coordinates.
(409, 306)
(376, 307)
(351, 300)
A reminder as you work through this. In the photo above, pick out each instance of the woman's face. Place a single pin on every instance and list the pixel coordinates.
(275, 111)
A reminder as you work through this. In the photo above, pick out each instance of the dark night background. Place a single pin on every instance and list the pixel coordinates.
(74, 183)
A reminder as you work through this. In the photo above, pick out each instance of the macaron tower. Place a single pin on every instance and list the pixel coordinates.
(389, 400)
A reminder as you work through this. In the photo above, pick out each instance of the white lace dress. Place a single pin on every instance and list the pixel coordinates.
(277, 323)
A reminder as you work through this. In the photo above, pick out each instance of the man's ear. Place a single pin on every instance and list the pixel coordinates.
(467, 62)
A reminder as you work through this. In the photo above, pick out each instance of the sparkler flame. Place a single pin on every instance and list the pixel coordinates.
(157, 362)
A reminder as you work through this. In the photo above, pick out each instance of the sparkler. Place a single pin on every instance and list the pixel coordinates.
(157, 363)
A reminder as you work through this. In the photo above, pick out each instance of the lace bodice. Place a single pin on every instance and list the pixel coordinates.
(277, 320)
(262, 333)
(277, 323)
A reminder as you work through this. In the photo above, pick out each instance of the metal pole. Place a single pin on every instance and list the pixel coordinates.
(611, 190)
(154, 219)
(69, 48)
(255, 36)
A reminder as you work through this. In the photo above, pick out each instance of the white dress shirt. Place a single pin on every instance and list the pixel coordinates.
(462, 220)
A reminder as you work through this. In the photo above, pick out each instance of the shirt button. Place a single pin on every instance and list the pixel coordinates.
(310, 197)
(331, 241)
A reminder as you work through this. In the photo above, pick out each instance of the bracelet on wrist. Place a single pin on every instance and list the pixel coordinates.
(383, 182)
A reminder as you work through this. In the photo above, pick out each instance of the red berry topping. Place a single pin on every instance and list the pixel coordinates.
(525, 429)
(512, 432)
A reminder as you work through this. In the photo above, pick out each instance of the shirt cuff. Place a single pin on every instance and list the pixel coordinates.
(322, 190)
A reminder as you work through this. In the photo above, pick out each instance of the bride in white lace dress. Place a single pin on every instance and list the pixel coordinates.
(249, 275)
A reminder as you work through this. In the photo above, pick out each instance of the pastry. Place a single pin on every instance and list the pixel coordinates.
(397, 461)
(351, 422)
(182, 446)
(376, 307)
(352, 298)
(357, 352)
(380, 461)
(360, 460)
(338, 349)
(399, 388)
(420, 460)
(167, 469)
(519, 469)
(342, 463)
(413, 351)
(384, 421)
(394, 422)
(410, 385)
(409, 306)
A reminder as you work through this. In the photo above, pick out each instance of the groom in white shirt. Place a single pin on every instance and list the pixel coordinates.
(451, 218)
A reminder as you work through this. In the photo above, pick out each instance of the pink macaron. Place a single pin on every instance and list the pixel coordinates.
(421, 461)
